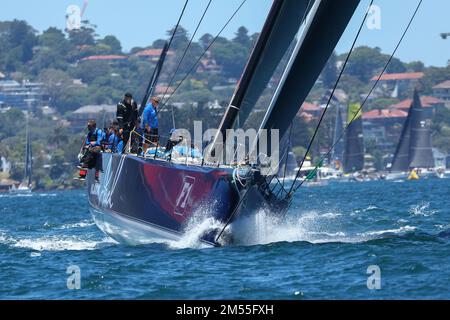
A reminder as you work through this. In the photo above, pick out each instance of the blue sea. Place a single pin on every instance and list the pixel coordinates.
(373, 240)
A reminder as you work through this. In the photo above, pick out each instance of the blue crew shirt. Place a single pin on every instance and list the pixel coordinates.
(111, 141)
(150, 117)
(120, 147)
(98, 141)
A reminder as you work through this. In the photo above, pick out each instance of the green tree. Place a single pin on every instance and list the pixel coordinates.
(158, 44)
(84, 36)
(112, 43)
(366, 62)
(231, 56)
(17, 40)
(330, 72)
(59, 137)
(242, 37)
(206, 40)
(64, 95)
(51, 52)
(11, 123)
(57, 165)
(181, 38)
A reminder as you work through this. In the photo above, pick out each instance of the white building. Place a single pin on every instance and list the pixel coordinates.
(442, 91)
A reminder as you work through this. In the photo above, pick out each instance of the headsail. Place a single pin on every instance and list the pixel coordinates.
(324, 27)
(278, 33)
(401, 157)
(354, 141)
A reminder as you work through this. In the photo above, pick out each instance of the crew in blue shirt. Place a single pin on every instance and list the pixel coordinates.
(110, 139)
(91, 151)
(94, 136)
(120, 147)
(150, 123)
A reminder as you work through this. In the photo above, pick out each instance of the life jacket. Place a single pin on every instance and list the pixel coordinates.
(93, 136)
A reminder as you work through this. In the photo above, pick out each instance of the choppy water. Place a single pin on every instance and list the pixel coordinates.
(322, 251)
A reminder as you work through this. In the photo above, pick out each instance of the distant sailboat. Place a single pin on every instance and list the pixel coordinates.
(334, 170)
(354, 141)
(26, 185)
(414, 150)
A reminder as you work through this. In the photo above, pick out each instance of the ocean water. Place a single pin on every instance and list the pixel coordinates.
(322, 250)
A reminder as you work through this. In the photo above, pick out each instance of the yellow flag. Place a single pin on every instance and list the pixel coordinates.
(354, 109)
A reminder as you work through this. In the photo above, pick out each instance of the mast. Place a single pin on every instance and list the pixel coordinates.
(154, 78)
(281, 26)
(354, 141)
(338, 150)
(28, 158)
(324, 26)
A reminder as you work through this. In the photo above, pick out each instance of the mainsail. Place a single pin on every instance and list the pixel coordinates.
(324, 26)
(278, 33)
(414, 149)
(354, 140)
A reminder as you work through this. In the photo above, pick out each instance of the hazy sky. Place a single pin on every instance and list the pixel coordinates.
(139, 22)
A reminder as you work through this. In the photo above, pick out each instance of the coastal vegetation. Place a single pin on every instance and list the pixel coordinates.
(58, 59)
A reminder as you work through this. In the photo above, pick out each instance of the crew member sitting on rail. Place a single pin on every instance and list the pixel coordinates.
(110, 139)
(150, 123)
(91, 151)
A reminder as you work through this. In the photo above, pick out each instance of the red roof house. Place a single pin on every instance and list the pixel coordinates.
(105, 58)
(399, 76)
(384, 114)
(427, 102)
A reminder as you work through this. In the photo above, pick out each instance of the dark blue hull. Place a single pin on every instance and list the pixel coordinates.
(144, 200)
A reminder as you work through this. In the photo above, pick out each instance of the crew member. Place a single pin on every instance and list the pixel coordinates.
(150, 123)
(110, 139)
(91, 151)
(127, 113)
(120, 145)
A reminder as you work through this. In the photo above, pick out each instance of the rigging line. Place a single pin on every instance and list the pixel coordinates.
(186, 50)
(287, 153)
(331, 97)
(370, 92)
(168, 48)
(173, 118)
(201, 56)
(178, 24)
(241, 200)
(290, 50)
